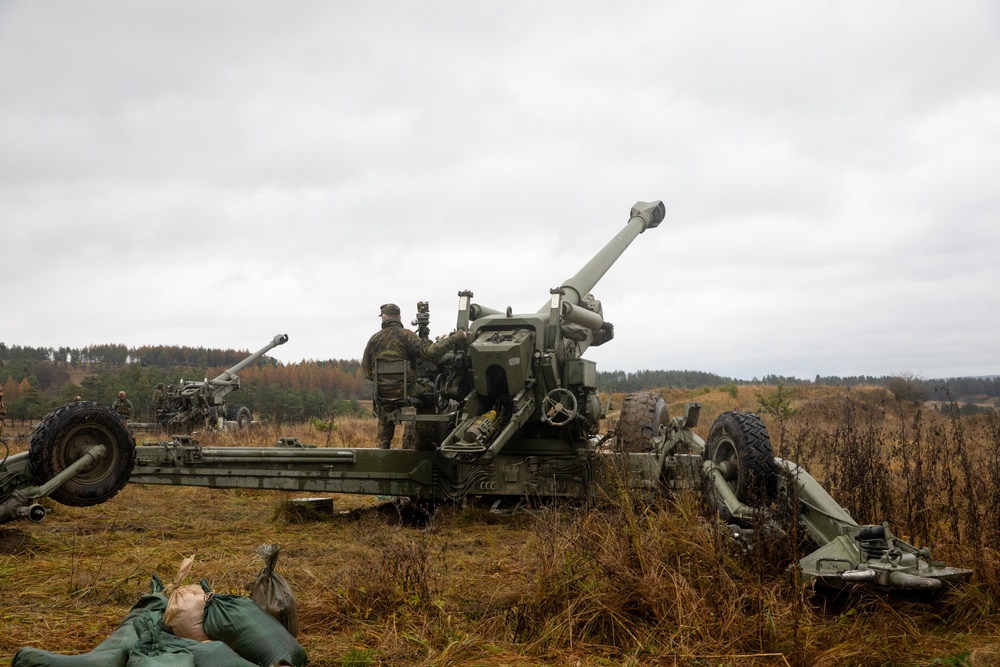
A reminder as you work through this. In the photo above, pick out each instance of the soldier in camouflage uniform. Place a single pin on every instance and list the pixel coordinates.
(394, 343)
(159, 401)
(123, 406)
(3, 412)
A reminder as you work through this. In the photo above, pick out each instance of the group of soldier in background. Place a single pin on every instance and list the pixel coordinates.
(123, 406)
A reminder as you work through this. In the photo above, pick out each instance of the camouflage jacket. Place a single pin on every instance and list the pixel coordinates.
(394, 343)
(3, 409)
(159, 398)
(122, 406)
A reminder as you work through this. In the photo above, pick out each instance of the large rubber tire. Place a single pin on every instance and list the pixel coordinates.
(740, 443)
(65, 434)
(639, 422)
(241, 415)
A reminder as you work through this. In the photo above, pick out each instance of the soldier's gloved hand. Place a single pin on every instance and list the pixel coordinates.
(459, 337)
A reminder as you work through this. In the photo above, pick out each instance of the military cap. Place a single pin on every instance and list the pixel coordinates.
(390, 310)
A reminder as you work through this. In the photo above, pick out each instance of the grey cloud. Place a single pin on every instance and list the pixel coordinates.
(827, 169)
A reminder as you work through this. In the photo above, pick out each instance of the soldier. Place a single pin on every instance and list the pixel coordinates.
(123, 406)
(394, 343)
(159, 400)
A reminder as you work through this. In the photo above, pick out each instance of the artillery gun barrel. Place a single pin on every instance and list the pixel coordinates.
(227, 375)
(645, 215)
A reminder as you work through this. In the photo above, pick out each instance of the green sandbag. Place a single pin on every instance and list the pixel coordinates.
(158, 648)
(250, 631)
(36, 657)
(216, 654)
(207, 653)
(169, 657)
(125, 636)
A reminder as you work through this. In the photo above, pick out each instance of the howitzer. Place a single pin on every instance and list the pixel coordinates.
(529, 369)
(514, 417)
(194, 403)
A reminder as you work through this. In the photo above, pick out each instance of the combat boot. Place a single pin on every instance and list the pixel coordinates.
(385, 444)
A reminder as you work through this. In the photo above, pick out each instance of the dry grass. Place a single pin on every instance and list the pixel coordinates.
(632, 582)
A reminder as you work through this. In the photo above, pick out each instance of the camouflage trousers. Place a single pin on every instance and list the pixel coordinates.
(386, 427)
(422, 437)
(416, 435)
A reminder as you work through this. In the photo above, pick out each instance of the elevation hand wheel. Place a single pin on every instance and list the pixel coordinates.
(559, 407)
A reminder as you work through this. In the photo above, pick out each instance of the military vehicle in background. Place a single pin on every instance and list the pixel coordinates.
(514, 418)
(194, 404)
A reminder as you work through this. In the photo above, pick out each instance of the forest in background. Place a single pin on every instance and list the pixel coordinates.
(38, 379)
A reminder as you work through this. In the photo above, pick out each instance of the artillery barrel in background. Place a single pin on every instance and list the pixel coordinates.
(227, 375)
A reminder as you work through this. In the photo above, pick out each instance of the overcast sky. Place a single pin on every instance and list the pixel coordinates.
(215, 173)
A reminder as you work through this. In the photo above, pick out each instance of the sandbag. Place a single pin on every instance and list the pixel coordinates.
(157, 648)
(185, 606)
(272, 593)
(125, 636)
(36, 657)
(185, 611)
(204, 654)
(250, 631)
(216, 654)
(170, 657)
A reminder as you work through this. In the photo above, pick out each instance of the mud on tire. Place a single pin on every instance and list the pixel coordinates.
(65, 434)
(241, 415)
(641, 416)
(740, 443)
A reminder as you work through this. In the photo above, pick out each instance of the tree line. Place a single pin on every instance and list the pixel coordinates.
(947, 389)
(119, 355)
(37, 380)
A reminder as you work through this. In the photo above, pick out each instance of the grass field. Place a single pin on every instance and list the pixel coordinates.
(636, 581)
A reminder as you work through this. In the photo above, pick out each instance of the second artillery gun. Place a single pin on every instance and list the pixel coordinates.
(194, 404)
(515, 418)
